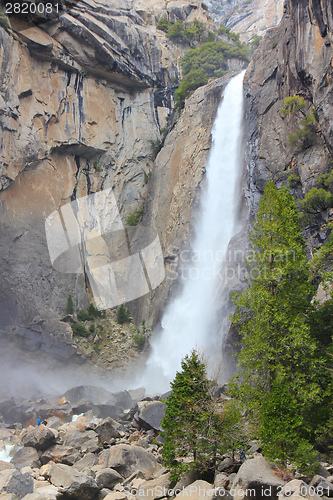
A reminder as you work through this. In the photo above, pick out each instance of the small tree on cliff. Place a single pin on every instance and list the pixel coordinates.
(279, 368)
(69, 305)
(196, 427)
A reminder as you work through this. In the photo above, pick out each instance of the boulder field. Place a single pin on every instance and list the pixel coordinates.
(95, 444)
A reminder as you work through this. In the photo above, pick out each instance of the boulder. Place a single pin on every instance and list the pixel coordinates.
(254, 477)
(54, 422)
(60, 454)
(40, 438)
(107, 410)
(127, 459)
(115, 495)
(6, 465)
(322, 486)
(150, 415)
(96, 395)
(26, 457)
(48, 492)
(106, 431)
(156, 488)
(86, 462)
(108, 478)
(297, 489)
(199, 490)
(122, 399)
(70, 481)
(77, 438)
(221, 480)
(13, 481)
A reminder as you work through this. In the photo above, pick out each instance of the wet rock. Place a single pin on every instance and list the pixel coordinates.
(122, 399)
(91, 393)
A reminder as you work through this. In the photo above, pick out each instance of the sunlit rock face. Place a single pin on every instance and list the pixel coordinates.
(77, 114)
(248, 18)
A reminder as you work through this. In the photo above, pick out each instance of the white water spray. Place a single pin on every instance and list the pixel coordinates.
(188, 320)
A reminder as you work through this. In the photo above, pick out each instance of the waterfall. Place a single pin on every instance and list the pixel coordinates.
(188, 321)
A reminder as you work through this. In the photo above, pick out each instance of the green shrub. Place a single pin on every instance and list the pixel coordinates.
(92, 328)
(80, 330)
(305, 136)
(293, 181)
(123, 314)
(325, 180)
(139, 340)
(155, 148)
(69, 305)
(254, 43)
(93, 312)
(176, 31)
(3, 21)
(192, 81)
(134, 218)
(292, 104)
(97, 167)
(163, 25)
(314, 202)
(83, 315)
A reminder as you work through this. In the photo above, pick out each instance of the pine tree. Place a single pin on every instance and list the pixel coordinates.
(122, 314)
(278, 364)
(69, 305)
(197, 428)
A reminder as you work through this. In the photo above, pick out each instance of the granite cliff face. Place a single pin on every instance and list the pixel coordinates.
(294, 58)
(79, 111)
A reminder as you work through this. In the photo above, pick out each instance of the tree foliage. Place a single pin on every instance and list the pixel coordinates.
(69, 305)
(278, 381)
(196, 428)
(123, 314)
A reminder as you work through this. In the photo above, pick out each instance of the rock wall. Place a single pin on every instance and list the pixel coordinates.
(77, 114)
(294, 58)
(82, 104)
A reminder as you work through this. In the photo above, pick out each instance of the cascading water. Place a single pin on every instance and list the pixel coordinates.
(188, 321)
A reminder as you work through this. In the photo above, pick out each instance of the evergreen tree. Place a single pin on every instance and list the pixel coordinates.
(196, 427)
(69, 305)
(278, 381)
(122, 314)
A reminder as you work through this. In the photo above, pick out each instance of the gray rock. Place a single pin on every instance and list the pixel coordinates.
(106, 431)
(257, 475)
(322, 486)
(60, 454)
(199, 490)
(26, 457)
(40, 438)
(86, 462)
(150, 415)
(13, 481)
(6, 465)
(127, 459)
(108, 478)
(70, 481)
(156, 488)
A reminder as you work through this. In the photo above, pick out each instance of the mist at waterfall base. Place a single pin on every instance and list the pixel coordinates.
(191, 321)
